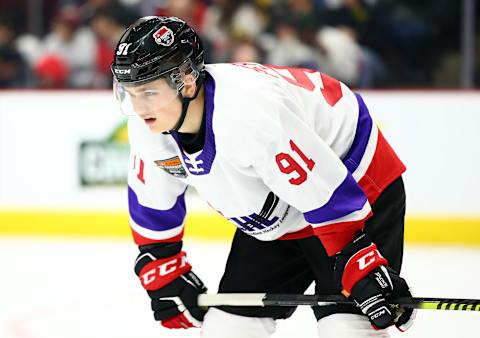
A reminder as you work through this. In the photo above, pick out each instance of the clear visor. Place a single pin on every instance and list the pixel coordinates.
(143, 99)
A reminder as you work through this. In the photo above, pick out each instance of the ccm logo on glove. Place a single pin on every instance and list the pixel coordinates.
(367, 259)
(160, 272)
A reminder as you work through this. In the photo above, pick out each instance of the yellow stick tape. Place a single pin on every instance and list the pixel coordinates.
(208, 225)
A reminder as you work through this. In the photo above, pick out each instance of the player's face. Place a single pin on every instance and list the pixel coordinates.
(155, 102)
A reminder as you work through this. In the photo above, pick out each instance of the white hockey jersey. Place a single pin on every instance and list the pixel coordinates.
(288, 153)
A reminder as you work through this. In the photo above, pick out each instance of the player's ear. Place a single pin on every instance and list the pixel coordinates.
(190, 86)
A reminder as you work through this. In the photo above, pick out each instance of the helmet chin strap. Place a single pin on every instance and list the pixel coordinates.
(185, 103)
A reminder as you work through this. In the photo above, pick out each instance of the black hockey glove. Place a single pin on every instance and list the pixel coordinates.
(364, 277)
(173, 288)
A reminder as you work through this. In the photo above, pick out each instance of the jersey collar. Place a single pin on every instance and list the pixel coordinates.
(200, 163)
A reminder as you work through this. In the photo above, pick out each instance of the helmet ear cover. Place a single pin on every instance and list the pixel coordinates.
(185, 74)
(198, 78)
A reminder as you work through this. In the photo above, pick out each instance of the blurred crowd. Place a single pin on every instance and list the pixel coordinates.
(364, 43)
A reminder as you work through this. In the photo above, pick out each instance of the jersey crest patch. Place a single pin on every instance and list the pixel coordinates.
(172, 166)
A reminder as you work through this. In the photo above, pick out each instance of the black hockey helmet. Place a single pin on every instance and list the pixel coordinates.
(155, 46)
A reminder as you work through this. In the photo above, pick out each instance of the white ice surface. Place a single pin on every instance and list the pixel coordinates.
(87, 289)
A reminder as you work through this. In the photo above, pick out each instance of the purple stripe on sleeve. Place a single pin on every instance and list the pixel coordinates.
(347, 198)
(362, 134)
(153, 219)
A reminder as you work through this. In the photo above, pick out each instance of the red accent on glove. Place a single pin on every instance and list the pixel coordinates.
(160, 272)
(177, 322)
(360, 265)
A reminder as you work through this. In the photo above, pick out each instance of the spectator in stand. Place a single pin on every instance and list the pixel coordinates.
(14, 71)
(108, 30)
(51, 72)
(125, 14)
(345, 59)
(303, 15)
(366, 43)
(193, 11)
(246, 51)
(12, 68)
(398, 31)
(289, 50)
(228, 22)
(74, 45)
(27, 46)
(7, 30)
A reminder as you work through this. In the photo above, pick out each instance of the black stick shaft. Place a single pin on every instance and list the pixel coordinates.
(262, 299)
(408, 302)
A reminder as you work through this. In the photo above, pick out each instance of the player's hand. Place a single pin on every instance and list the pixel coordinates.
(173, 289)
(366, 279)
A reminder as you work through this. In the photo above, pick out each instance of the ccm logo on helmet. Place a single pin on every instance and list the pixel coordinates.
(166, 267)
(122, 71)
(164, 36)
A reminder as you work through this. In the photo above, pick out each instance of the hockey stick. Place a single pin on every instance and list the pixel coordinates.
(264, 299)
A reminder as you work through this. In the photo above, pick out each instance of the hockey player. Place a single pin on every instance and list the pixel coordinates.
(290, 156)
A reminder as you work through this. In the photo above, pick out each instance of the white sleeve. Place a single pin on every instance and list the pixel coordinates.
(156, 203)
